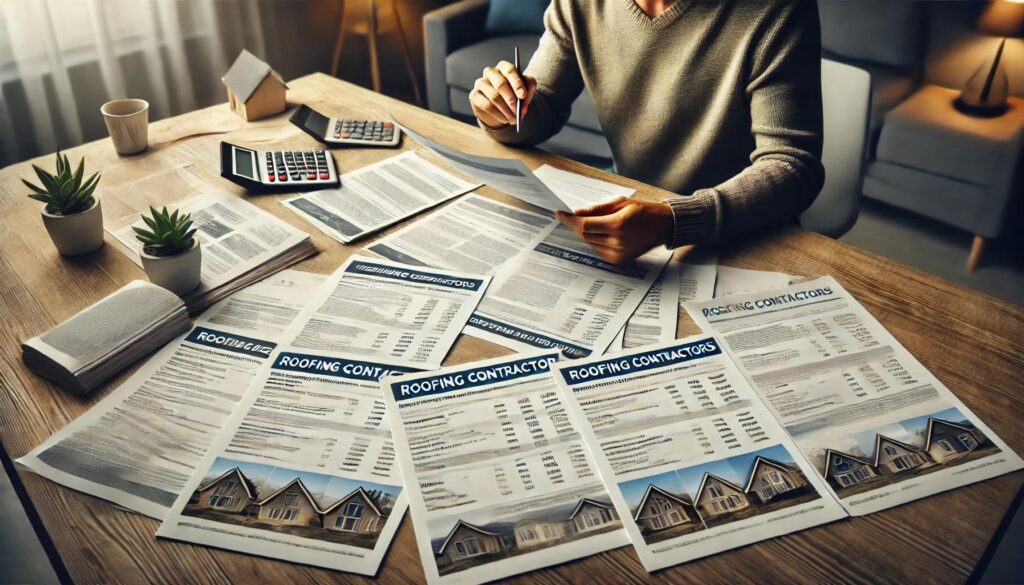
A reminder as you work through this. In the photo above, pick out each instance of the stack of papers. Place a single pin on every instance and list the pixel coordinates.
(241, 244)
(103, 339)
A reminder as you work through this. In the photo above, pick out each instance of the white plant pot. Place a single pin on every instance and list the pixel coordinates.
(78, 233)
(178, 274)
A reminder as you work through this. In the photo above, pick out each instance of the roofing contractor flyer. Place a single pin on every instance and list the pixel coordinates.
(878, 427)
(499, 481)
(694, 462)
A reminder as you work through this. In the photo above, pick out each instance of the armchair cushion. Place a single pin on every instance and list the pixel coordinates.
(885, 32)
(509, 17)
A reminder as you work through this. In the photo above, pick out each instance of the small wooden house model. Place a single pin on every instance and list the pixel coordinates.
(255, 90)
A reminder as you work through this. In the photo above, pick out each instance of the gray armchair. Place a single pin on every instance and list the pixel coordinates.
(458, 49)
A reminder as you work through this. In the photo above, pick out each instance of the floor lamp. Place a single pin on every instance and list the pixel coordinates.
(370, 26)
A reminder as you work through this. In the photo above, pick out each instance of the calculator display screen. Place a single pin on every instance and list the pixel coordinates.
(244, 164)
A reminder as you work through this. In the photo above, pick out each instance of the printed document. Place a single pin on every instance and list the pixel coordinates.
(240, 242)
(877, 426)
(304, 471)
(499, 480)
(139, 446)
(560, 295)
(509, 175)
(377, 196)
(696, 282)
(578, 191)
(694, 462)
(655, 319)
(472, 234)
(382, 309)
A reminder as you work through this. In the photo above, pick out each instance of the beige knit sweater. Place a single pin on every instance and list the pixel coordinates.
(719, 101)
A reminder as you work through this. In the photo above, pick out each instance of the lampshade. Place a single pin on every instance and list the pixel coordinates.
(1003, 18)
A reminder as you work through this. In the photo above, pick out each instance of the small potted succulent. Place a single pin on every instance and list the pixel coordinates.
(71, 214)
(170, 251)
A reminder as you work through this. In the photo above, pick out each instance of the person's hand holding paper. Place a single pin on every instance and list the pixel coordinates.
(621, 229)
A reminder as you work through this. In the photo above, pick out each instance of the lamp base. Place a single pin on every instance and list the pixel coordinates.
(979, 110)
(984, 94)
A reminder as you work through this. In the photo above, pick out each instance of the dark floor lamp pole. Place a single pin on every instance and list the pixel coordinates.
(372, 33)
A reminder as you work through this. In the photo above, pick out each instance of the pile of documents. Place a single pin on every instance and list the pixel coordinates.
(241, 244)
(107, 337)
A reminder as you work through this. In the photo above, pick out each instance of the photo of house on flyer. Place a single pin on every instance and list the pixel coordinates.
(901, 451)
(303, 504)
(679, 502)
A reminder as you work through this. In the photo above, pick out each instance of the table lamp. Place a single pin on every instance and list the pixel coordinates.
(984, 94)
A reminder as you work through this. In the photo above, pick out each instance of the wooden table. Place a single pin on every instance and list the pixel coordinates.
(973, 343)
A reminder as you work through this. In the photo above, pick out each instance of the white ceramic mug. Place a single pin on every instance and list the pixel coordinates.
(128, 124)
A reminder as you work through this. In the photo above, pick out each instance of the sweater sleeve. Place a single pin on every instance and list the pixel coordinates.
(785, 175)
(559, 81)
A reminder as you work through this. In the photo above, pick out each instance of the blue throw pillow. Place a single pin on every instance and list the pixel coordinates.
(512, 17)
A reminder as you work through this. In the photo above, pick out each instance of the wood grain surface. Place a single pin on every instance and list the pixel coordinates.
(973, 343)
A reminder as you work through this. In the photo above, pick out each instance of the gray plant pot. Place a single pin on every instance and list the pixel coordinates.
(179, 274)
(78, 233)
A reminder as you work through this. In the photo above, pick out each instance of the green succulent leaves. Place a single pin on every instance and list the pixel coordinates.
(168, 235)
(64, 193)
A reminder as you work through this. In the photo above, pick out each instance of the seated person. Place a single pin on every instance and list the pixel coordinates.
(719, 101)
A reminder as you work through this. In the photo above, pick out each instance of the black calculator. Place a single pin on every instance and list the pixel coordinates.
(346, 131)
(262, 171)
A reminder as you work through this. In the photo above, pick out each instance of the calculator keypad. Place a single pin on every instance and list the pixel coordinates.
(297, 166)
(367, 132)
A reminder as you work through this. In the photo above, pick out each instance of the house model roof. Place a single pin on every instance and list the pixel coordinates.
(247, 73)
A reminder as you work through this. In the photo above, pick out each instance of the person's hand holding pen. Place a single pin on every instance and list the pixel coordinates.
(494, 95)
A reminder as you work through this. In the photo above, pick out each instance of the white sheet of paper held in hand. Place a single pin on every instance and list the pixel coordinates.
(499, 481)
(560, 295)
(577, 190)
(877, 425)
(509, 175)
(693, 460)
(139, 446)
